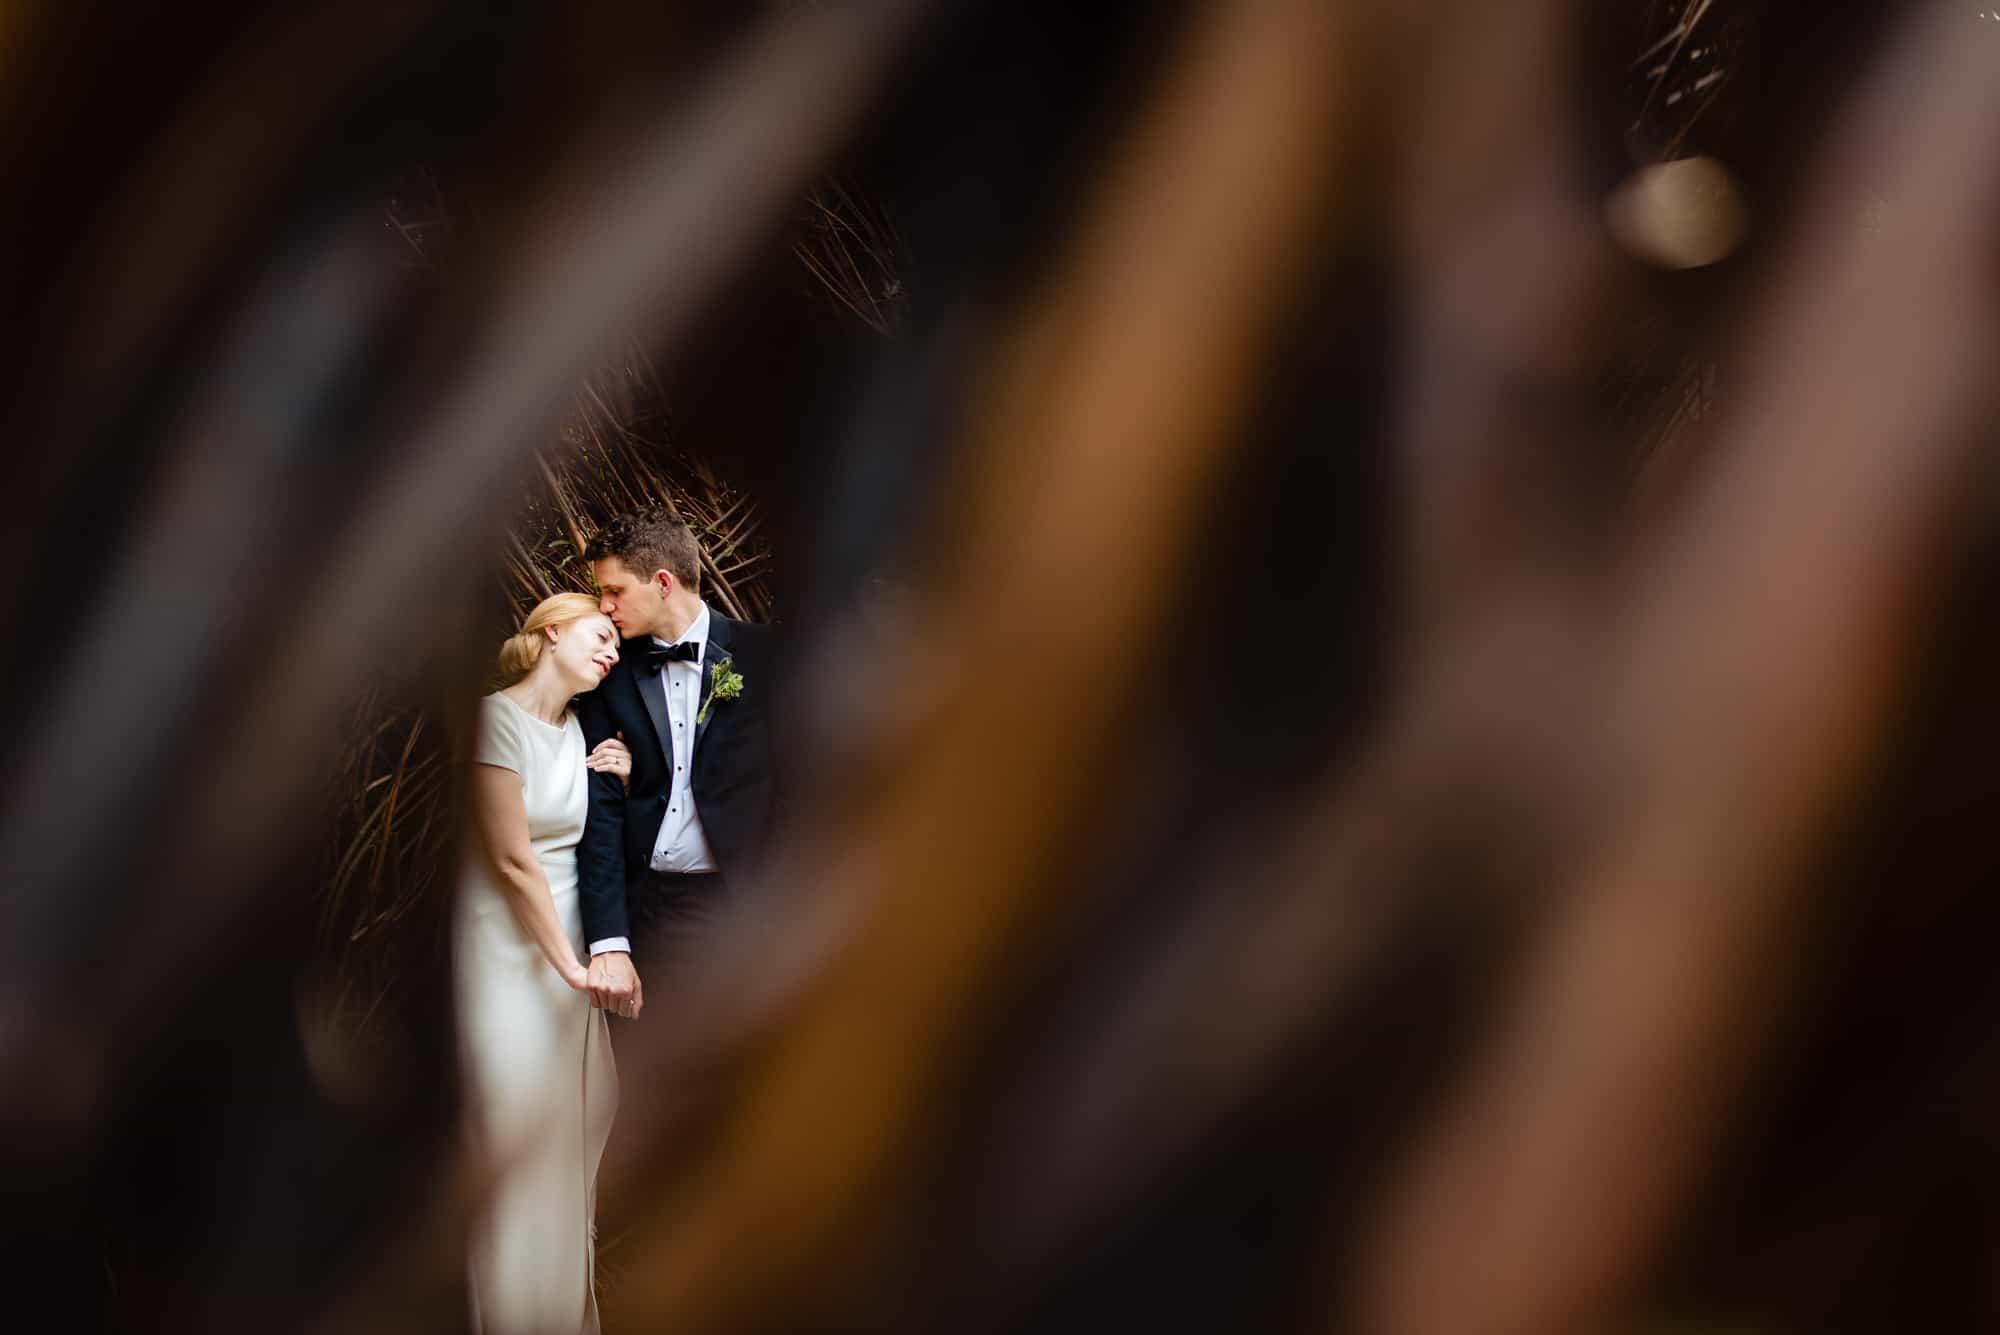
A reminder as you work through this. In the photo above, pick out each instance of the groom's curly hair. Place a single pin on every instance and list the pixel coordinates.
(653, 538)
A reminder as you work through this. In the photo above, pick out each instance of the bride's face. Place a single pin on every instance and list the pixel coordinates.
(584, 650)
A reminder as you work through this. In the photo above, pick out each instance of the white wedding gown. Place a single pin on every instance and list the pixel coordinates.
(540, 1081)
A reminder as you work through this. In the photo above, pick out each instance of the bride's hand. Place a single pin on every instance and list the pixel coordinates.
(610, 757)
(575, 975)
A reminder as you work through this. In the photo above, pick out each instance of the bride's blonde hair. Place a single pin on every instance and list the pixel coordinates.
(523, 649)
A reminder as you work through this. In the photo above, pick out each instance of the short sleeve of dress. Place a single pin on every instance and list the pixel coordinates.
(499, 739)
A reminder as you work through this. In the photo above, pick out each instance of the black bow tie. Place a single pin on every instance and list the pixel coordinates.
(659, 655)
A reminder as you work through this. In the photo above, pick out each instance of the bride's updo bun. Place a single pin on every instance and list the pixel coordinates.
(522, 650)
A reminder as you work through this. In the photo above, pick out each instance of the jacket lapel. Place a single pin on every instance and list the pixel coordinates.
(713, 652)
(647, 685)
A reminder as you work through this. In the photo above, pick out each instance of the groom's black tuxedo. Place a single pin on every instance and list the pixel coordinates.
(733, 771)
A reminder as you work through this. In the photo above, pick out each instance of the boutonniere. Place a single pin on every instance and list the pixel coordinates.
(723, 684)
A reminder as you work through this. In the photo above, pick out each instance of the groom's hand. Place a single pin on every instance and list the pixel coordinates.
(614, 984)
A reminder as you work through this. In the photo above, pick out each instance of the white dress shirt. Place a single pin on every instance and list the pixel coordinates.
(680, 845)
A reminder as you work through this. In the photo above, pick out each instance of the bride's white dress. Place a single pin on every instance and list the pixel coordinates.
(540, 1081)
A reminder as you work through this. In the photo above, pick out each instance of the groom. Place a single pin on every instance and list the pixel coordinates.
(690, 696)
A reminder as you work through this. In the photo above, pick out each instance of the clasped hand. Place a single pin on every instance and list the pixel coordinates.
(610, 756)
(613, 984)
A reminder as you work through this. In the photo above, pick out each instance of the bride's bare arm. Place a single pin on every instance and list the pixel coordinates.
(502, 823)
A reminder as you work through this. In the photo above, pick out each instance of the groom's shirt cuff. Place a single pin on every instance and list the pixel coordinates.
(611, 943)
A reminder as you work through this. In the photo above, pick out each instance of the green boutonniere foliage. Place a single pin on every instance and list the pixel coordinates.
(723, 684)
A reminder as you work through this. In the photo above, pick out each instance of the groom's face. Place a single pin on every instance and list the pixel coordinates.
(636, 606)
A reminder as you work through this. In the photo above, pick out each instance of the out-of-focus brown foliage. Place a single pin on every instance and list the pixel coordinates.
(1371, 758)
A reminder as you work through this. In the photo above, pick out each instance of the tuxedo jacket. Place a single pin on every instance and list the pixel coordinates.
(734, 774)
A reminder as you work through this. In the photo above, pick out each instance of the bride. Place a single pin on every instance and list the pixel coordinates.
(540, 1080)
